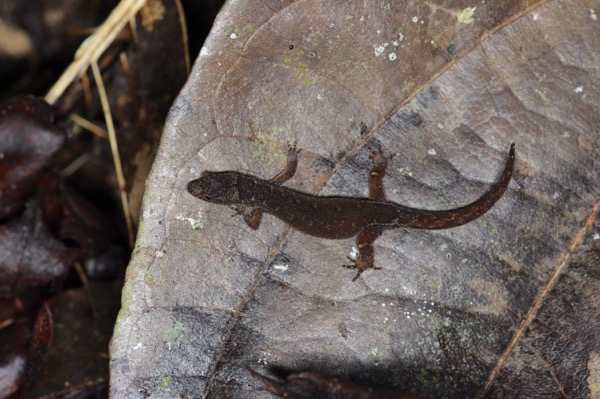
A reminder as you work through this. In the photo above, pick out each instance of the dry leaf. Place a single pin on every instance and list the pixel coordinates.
(446, 87)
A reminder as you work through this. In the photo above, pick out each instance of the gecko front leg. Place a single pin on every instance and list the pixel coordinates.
(253, 216)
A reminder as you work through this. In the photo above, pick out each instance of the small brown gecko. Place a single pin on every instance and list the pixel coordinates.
(337, 217)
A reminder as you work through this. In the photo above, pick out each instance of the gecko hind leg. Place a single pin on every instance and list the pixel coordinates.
(290, 166)
(366, 253)
(378, 170)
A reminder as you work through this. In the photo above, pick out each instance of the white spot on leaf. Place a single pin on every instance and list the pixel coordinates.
(380, 49)
(282, 268)
(196, 224)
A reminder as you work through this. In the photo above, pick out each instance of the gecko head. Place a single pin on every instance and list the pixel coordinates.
(215, 187)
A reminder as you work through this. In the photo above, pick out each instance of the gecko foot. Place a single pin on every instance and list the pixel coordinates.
(377, 155)
(360, 266)
(252, 216)
(292, 150)
(353, 266)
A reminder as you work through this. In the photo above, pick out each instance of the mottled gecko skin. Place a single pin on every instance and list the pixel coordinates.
(337, 217)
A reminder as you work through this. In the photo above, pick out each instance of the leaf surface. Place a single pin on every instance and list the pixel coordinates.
(445, 86)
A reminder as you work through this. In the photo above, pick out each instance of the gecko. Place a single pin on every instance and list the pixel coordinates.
(337, 217)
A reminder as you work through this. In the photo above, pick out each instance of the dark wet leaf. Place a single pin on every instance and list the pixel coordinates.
(82, 225)
(33, 259)
(41, 339)
(29, 143)
(24, 342)
(83, 391)
(77, 360)
(14, 341)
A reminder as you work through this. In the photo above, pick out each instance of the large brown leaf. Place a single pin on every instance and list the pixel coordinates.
(446, 86)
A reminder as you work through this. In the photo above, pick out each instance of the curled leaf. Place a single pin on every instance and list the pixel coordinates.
(315, 385)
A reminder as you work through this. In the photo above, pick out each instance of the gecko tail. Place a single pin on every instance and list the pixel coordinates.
(463, 215)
